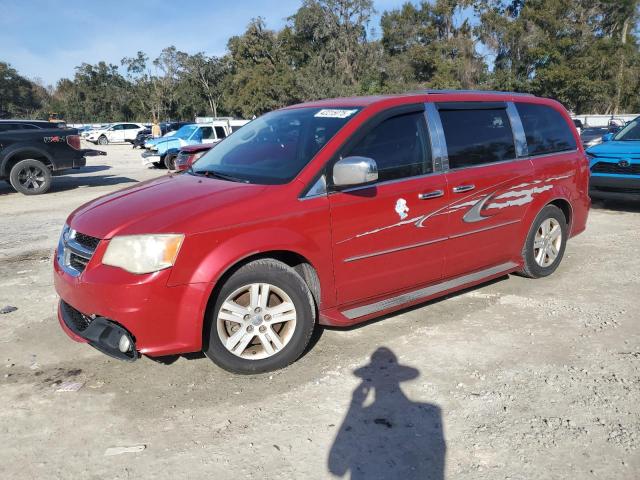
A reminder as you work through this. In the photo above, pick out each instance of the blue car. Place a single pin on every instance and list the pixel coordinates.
(162, 151)
(615, 164)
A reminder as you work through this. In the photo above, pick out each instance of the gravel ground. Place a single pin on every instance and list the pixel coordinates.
(515, 379)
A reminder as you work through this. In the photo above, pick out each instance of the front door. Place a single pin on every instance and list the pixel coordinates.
(391, 235)
(490, 187)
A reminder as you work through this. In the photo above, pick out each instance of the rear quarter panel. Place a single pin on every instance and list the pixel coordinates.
(568, 175)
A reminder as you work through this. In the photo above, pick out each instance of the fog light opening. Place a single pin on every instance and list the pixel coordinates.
(125, 344)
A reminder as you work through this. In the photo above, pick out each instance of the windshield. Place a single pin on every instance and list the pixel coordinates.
(631, 132)
(274, 148)
(185, 132)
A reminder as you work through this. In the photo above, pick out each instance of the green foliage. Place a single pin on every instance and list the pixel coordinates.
(18, 95)
(585, 53)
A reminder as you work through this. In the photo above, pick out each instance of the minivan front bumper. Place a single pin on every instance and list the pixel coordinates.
(101, 333)
(159, 319)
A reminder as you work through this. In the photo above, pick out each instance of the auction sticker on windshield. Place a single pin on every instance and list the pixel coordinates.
(334, 113)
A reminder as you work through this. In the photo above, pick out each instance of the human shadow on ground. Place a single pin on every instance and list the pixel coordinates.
(390, 436)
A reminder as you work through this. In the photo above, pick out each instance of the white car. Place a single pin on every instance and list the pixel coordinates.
(115, 133)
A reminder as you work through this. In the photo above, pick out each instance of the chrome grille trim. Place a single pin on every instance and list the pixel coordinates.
(73, 257)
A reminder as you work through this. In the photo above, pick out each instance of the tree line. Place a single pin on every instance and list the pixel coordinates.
(584, 53)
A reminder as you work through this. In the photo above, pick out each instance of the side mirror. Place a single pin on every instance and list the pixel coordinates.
(352, 171)
(607, 137)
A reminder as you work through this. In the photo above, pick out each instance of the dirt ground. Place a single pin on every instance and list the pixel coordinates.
(516, 379)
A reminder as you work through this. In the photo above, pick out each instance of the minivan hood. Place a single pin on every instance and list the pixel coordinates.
(170, 204)
(615, 148)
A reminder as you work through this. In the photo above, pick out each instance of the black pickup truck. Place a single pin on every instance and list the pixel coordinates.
(32, 151)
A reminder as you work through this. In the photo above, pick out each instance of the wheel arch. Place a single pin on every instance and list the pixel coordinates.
(293, 259)
(558, 197)
(566, 207)
(16, 155)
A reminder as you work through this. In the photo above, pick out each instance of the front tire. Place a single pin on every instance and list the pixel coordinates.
(103, 140)
(30, 177)
(262, 319)
(545, 244)
(170, 161)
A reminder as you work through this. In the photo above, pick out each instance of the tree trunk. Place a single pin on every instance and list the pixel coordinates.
(620, 79)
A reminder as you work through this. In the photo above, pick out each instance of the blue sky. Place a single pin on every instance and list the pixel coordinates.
(48, 38)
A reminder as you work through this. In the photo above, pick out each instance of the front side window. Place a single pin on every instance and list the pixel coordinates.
(545, 128)
(476, 137)
(220, 133)
(274, 148)
(204, 133)
(400, 147)
(630, 133)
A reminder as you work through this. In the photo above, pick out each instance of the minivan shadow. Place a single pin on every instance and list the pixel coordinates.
(616, 205)
(317, 333)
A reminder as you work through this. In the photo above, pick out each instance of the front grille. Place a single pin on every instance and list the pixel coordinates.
(77, 262)
(87, 241)
(607, 167)
(75, 250)
(80, 320)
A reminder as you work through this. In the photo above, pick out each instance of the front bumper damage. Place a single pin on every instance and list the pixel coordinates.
(101, 333)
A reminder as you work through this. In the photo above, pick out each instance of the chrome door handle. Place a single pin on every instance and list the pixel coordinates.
(428, 195)
(463, 188)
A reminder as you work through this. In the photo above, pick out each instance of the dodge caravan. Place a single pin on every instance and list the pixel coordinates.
(326, 213)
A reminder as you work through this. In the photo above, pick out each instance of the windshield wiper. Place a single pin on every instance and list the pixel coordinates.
(214, 174)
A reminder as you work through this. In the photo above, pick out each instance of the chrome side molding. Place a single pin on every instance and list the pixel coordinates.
(427, 291)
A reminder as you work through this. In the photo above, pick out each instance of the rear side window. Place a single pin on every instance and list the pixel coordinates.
(545, 128)
(400, 147)
(475, 137)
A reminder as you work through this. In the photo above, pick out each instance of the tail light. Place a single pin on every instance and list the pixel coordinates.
(73, 141)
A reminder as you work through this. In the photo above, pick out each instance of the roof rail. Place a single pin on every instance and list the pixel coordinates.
(484, 92)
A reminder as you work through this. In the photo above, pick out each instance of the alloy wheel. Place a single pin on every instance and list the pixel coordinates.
(547, 242)
(256, 321)
(31, 178)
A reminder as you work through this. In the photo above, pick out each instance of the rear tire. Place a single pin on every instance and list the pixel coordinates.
(243, 334)
(545, 244)
(30, 177)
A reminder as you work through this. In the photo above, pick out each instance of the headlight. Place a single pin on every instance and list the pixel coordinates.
(143, 253)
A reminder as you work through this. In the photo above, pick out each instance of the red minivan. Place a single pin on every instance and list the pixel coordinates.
(330, 212)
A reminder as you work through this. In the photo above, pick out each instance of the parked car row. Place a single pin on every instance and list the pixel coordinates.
(162, 152)
(116, 133)
(167, 129)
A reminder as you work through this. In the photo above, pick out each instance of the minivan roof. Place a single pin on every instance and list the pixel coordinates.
(371, 99)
